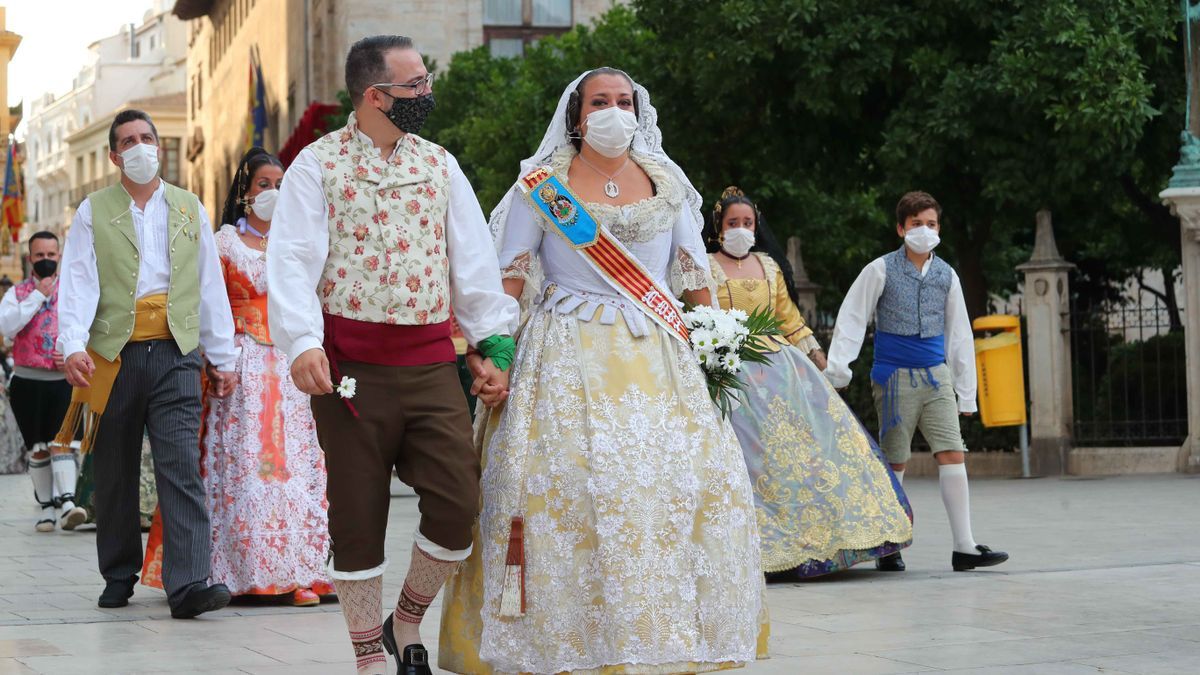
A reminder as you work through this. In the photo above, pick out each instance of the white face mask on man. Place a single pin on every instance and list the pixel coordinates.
(610, 131)
(140, 163)
(264, 204)
(921, 240)
(737, 241)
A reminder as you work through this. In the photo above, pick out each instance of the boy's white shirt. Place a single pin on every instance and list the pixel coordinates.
(858, 310)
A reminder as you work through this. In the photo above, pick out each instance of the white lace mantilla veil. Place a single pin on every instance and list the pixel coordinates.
(647, 140)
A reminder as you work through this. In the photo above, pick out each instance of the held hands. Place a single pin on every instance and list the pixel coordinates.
(310, 372)
(818, 358)
(79, 368)
(223, 383)
(491, 383)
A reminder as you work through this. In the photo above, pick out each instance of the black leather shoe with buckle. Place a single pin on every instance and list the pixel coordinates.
(890, 563)
(415, 658)
(415, 661)
(969, 561)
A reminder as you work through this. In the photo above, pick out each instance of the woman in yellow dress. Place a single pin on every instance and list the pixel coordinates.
(641, 553)
(825, 497)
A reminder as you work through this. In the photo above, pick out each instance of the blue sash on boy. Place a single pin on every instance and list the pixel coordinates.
(910, 328)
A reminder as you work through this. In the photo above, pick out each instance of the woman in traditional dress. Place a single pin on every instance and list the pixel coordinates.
(263, 469)
(826, 499)
(640, 550)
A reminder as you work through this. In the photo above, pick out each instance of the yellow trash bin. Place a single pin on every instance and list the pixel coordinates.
(1000, 365)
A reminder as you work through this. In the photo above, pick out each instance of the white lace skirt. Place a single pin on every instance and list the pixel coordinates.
(641, 545)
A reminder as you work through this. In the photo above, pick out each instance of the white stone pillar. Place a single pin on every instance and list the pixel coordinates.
(1185, 203)
(1047, 304)
(806, 290)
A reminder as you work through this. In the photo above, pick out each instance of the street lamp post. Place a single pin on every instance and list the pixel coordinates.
(1183, 196)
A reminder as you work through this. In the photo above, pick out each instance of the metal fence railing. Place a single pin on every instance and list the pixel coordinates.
(1129, 384)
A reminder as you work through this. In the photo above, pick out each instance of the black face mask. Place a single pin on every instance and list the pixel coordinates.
(409, 114)
(45, 268)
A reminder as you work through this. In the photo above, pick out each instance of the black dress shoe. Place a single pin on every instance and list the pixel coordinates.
(985, 558)
(202, 599)
(890, 563)
(117, 593)
(414, 660)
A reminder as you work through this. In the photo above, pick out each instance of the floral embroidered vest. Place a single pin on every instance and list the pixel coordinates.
(34, 345)
(387, 259)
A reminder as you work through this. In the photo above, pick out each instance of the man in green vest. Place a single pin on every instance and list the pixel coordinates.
(141, 294)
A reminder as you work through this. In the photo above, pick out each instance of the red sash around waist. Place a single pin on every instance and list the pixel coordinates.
(387, 344)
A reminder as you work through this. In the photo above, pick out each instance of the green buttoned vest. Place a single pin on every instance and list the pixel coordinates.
(118, 262)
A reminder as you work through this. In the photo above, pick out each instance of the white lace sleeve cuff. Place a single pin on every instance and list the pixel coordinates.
(687, 275)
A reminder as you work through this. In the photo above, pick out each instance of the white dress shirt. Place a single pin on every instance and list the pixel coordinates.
(16, 314)
(858, 310)
(79, 280)
(300, 245)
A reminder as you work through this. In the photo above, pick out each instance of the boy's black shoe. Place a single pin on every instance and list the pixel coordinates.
(890, 563)
(969, 561)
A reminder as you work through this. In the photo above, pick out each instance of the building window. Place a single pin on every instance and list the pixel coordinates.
(503, 48)
(171, 160)
(151, 43)
(509, 26)
(502, 13)
(556, 13)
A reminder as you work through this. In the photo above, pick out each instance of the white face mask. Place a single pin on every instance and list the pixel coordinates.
(610, 131)
(921, 240)
(264, 204)
(141, 163)
(738, 241)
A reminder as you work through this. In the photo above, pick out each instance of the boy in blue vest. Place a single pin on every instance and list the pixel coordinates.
(924, 370)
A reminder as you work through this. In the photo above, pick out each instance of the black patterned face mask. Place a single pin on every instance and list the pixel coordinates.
(409, 114)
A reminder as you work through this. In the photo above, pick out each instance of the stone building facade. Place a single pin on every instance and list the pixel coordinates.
(301, 46)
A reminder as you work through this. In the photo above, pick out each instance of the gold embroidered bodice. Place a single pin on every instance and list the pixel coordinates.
(769, 292)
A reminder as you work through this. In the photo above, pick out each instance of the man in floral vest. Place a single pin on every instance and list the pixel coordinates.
(39, 392)
(376, 235)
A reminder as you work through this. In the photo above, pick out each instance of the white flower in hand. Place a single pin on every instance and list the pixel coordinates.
(346, 387)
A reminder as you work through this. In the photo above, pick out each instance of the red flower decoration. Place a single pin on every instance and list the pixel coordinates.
(371, 263)
(413, 206)
(413, 283)
(360, 232)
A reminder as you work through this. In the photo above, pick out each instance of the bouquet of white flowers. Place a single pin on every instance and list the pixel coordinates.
(723, 341)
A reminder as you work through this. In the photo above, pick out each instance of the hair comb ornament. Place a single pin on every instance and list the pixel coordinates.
(731, 191)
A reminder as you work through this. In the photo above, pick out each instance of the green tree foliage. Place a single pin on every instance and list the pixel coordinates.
(827, 112)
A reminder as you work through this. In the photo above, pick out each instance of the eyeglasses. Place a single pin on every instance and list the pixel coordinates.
(425, 86)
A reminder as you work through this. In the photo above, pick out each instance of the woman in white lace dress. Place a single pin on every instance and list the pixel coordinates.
(263, 469)
(640, 544)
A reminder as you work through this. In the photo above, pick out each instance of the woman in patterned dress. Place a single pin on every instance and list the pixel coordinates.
(263, 469)
(825, 497)
(641, 553)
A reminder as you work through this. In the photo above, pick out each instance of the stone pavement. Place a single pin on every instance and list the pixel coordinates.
(1105, 578)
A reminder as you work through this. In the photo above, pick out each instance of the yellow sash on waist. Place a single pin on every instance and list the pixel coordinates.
(150, 323)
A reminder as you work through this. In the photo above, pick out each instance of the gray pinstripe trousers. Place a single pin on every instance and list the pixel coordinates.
(157, 389)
